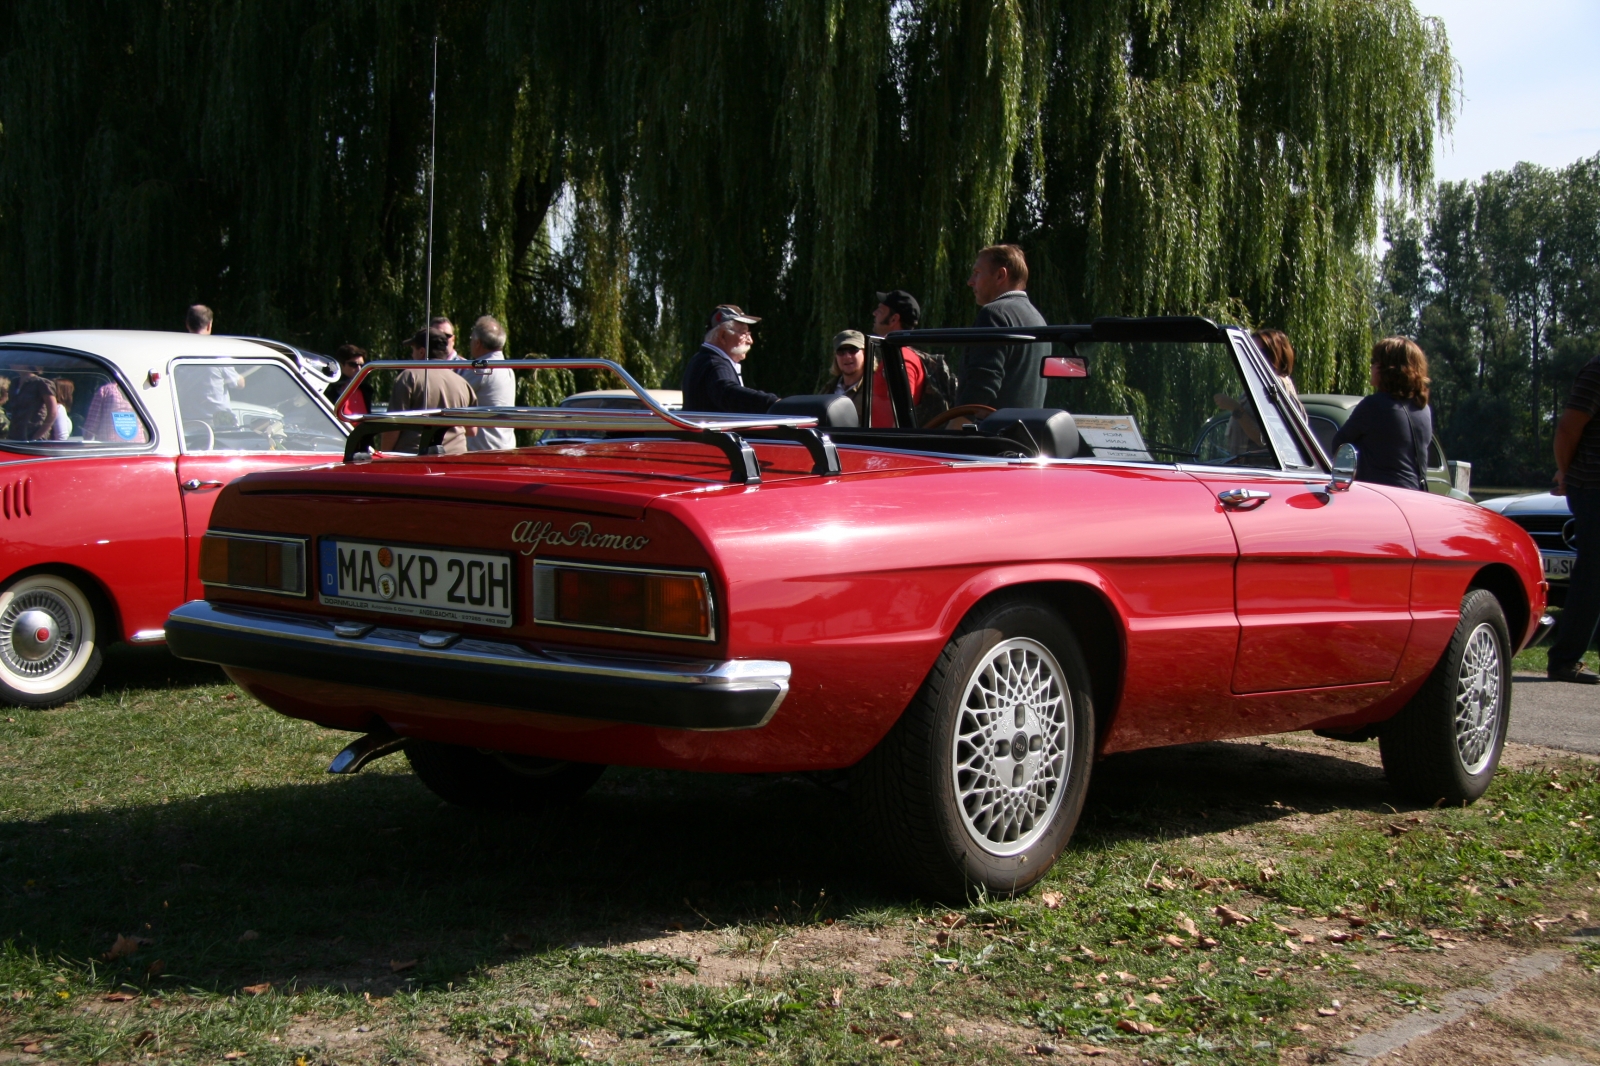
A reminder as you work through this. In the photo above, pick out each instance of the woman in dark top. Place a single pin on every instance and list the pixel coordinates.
(1393, 427)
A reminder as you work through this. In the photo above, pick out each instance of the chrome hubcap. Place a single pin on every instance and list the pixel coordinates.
(1012, 746)
(38, 633)
(1478, 699)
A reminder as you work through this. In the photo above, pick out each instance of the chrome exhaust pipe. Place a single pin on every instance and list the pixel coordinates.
(363, 750)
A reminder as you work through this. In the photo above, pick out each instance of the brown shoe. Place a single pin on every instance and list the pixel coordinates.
(1577, 673)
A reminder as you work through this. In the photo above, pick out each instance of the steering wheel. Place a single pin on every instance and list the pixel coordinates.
(966, 410)
(211, 436)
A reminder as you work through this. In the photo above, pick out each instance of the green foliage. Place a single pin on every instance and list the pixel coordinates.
(1497, 279)
(607, 172)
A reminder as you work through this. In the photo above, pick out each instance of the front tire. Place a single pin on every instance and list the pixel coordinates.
(979, 786)
(497, 781)
(49, 646)
(1445, 744)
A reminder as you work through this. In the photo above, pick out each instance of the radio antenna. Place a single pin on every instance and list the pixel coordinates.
(433, 148)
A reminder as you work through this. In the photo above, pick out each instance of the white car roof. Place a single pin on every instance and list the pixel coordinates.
(138, 351)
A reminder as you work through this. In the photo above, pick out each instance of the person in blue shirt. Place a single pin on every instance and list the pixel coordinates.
(713, 380)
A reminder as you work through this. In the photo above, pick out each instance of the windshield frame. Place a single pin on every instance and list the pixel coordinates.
(68, 450)
(1251, 362)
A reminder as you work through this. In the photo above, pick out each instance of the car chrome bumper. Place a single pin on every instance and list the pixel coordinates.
(734, 694)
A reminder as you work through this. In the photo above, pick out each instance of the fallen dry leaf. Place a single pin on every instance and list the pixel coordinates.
(1172, 941)
(1128, 1025)
(837, 998)
(402, 965)
(156, 968)
(904, 1015)
(1091, 1051)
(120, 997)
(589, 1001)
(249, 935)
(1126, 978)
(1208, 942)
(257, 990)
(1327, 1012)
(32, 1049)
(891, 1040)
(1268, 873)
(1230, 916)
(124, 946)
(953, 921)
(1342, 938)
(1186, 923)
(1052, 900)
(233, 1056)
(1557, 785)
(1153, 997)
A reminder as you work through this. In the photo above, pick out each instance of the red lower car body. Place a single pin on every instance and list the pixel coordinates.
(1313, 610)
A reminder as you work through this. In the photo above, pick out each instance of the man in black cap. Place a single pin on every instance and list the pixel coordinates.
(899, 310)
(714, 379)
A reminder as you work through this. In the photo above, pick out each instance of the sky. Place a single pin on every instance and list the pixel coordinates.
(1530, 78)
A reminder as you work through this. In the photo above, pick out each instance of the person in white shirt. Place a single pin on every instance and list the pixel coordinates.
(495, 386)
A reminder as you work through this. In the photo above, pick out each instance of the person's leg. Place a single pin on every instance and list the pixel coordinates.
(1582, 610)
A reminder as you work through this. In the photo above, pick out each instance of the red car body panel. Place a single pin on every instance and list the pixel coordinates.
(117, 519)
(1302, 613)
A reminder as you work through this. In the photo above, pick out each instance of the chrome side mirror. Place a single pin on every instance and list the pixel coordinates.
(1344, 468)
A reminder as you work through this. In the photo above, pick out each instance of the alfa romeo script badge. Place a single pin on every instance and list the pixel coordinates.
(577, 535)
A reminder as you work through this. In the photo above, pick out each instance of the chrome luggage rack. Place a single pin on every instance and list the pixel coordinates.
(722, 431)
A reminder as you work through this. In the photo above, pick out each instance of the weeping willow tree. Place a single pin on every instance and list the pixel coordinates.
(609, 171)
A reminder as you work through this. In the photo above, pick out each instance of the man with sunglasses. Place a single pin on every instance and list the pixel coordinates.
(713, 380)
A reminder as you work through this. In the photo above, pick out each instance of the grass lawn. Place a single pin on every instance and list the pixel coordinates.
(180, 882)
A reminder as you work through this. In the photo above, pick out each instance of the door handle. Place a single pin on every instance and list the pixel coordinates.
(1243, 499)
(194, 484)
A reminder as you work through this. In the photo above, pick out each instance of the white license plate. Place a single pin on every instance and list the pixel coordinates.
(1557, 567)
(425, 582)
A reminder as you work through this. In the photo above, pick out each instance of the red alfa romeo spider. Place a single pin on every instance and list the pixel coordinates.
(966, 613)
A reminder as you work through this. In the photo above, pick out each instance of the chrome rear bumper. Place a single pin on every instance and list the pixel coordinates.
(700, 695)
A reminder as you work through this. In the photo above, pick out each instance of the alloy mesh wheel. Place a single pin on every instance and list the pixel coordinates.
(1478, 687)
(1012, 746)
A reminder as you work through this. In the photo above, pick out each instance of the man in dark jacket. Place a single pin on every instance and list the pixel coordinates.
(1006, 376)
(714, 378)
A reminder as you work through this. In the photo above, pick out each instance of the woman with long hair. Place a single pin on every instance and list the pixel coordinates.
(1393, 427)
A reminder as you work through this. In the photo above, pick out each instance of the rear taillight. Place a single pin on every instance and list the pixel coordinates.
(672, 603)
(258, 563)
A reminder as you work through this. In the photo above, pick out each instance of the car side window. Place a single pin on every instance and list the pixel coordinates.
(1323, 429)
(65, 402)
(250, 407)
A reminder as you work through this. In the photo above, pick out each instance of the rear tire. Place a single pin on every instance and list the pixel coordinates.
(953, 809)
(49, 641)
(1445, 744)
(496, 781)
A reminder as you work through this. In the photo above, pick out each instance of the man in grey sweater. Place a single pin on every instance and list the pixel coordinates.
(1006, 376)
(495, 386)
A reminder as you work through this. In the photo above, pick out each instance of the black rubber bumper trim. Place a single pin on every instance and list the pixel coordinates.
(698, 696)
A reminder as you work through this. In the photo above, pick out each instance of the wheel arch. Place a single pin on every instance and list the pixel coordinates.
(1096, 623)
(1501, 581)
(107, 615)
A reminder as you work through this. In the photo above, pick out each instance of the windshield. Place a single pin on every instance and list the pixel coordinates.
(1141, 401)
(251, 406)
(57, 400)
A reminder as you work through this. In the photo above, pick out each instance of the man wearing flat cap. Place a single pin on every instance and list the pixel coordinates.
(714, 378)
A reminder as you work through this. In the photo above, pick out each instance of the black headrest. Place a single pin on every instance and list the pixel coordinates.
(836, 410)
(1044, 431)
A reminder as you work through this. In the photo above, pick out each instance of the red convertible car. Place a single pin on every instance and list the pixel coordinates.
(113, 446)
(965, 613)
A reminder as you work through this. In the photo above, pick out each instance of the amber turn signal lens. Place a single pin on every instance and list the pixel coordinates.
(268, 564)
(671, 604)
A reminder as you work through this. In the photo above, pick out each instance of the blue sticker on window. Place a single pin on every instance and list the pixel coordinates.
(126, 424)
